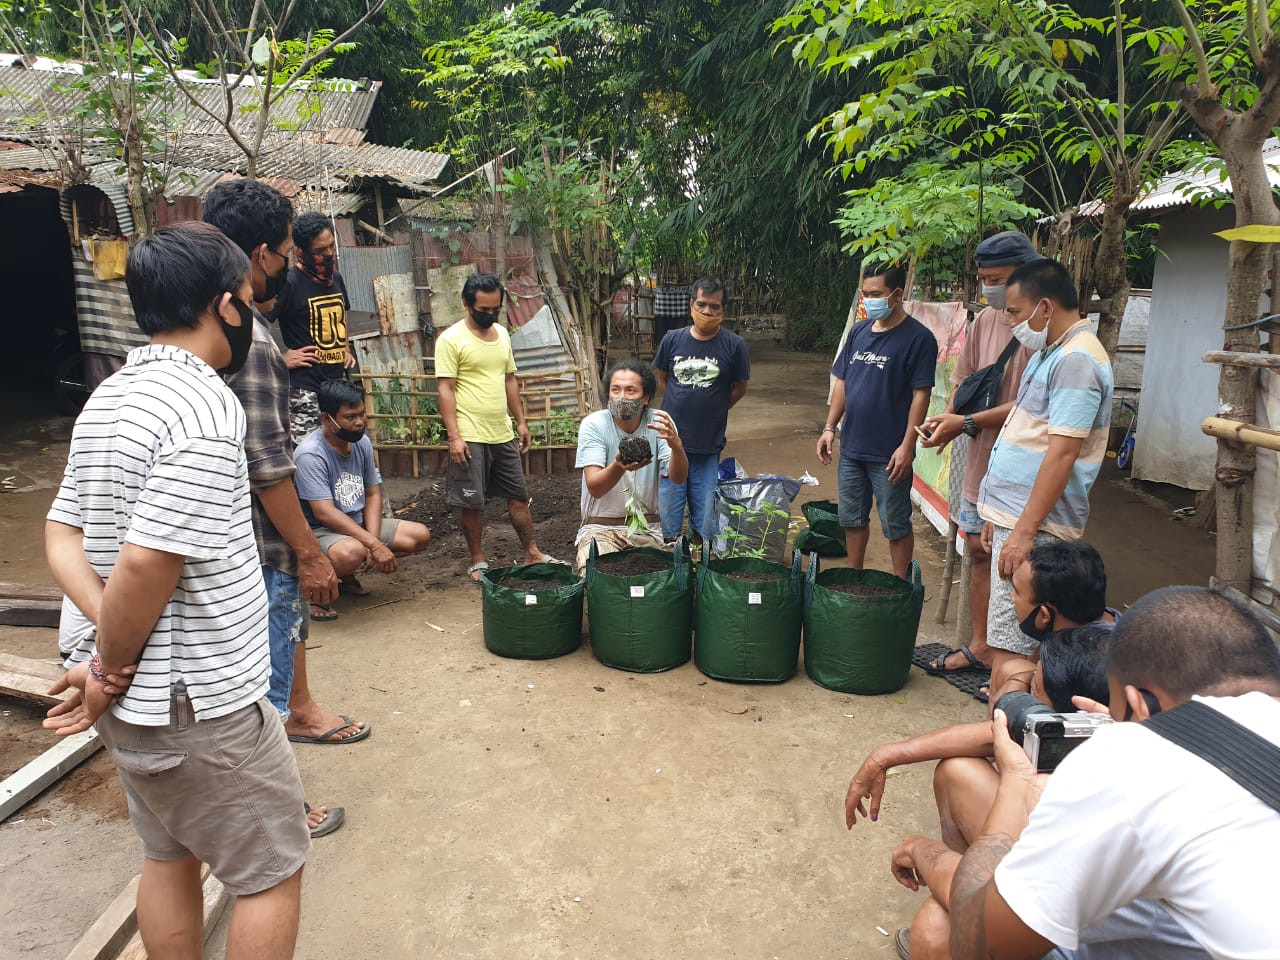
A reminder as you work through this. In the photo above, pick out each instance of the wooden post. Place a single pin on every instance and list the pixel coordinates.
(948, 573)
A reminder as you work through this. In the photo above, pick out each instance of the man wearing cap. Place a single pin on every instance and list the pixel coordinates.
(997, 257)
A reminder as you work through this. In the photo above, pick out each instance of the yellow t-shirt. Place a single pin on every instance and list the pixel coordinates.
(479, 370)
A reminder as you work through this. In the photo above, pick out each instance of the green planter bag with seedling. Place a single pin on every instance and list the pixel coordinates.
(640, 607)
(748, 619)
(824, 535)
(532, 612)
(860, 627)
(752, 517)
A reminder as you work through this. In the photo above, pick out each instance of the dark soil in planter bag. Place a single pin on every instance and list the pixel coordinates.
(641, 622)
(532, 624)
(748, 631)
(860, 642)
(824, 535)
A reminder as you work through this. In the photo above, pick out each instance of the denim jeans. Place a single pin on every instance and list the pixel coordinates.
(284, 629)
(698, 491)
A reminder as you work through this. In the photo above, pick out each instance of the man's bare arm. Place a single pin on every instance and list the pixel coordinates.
(64, 550)
(140, 586)
(737, 392)
(284, 510)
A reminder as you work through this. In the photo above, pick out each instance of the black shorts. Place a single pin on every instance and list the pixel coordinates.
(495, 471)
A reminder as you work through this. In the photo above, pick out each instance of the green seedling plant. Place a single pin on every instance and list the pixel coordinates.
(636, 510)
(765, 518)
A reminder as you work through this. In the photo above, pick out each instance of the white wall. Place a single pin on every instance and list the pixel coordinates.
(1188, 303)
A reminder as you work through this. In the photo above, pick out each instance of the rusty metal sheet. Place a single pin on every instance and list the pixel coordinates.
(397, 303)
(446, 293)
(394, 354)
(359, 265)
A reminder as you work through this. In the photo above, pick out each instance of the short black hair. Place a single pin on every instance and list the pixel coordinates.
(1191, 640)
(177, 273)
(250, 213)
(481, 283)
(648, 379)
(709, 286)
(1046, 278)
(1073, 663)
(337, 393)
(1069, 575)
(895, 278)
(308, 226)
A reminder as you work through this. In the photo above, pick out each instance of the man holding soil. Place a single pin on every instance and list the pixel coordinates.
(884, 377)
(703, 371)
(986, 340)
(479, 397)
(619, 467)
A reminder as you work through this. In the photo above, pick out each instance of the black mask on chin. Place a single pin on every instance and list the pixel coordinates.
(1029, 624)
(350, 436)
(240, 338)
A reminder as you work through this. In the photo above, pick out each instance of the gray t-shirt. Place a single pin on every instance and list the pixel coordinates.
(324, 474)
(598, 439)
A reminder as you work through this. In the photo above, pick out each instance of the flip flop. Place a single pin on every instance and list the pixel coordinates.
(332, 821)
(902, 941)
(939, 666)
(983, 697)
(548, 558)
(326, 738)
(353, 587)
(480, 567)
(326, 613)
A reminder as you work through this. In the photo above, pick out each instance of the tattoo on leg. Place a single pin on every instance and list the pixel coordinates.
(968, 894)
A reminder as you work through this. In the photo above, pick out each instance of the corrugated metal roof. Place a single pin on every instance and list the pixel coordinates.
(1202, 182)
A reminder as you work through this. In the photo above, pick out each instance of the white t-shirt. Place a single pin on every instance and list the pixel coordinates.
(598, 439)
(1132, 815)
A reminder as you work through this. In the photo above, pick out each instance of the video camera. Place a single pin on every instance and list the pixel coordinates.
(1046, 735)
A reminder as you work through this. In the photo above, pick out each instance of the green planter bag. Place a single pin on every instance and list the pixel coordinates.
(532, 624)
(748, 631)
(860, 644)
(641, 623)
(824, 534)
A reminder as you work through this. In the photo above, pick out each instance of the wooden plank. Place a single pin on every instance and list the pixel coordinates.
(1233, 358)
(45, 770)
(26, 591)
(215, 898)
(111, 931)
(30, 679)
(17, 612)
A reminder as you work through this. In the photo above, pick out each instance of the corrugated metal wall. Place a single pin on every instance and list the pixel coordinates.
(359, 265)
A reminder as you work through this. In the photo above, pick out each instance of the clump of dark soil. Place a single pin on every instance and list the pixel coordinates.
(751, 576)
(631, 564)
(531, 586)
(862, 589)
(635, 450)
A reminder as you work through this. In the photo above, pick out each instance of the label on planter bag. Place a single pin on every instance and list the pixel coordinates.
(530, 599)
(753, 599)
(637, 592)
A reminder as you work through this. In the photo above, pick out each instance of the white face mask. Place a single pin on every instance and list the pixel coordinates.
(994, 295)
(1032, 339)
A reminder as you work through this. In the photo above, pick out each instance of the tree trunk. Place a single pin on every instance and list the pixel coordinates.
(1110, 270)
(136, 191)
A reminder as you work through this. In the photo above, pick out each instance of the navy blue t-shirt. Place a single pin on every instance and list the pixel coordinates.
(880, 370)
(700, 377)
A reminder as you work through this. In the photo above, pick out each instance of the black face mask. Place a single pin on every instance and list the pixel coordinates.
(350, 436)
(1029, 624)
(1153, 705)
(485, 320)
(275, 283)
(240, 338)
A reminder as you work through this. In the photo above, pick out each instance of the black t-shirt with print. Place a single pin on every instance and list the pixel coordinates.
(311, 314)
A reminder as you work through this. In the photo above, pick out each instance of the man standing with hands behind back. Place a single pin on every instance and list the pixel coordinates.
(479, 396)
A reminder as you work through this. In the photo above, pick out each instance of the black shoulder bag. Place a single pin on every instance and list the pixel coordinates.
(977, 391)
(1250, 760)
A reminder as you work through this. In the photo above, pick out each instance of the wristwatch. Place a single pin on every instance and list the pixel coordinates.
(970, 428)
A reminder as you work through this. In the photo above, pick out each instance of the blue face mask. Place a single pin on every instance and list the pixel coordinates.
(877, 308)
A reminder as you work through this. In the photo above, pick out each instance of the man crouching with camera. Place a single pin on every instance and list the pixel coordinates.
(1139, 845)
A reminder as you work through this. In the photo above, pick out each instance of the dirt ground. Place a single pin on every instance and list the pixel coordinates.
(555, 808)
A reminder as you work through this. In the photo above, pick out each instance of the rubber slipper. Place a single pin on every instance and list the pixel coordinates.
(902, 941)
(983, 697)
(325, 614)
(332, 821)
(326, 738)
(480, 567)
(548, 558)
(939, 666)
(353, 588)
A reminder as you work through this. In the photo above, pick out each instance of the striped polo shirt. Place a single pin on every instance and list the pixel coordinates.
(157, 460)
(1065, 390)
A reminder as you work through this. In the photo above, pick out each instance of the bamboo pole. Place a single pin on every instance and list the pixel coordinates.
(1237, 432)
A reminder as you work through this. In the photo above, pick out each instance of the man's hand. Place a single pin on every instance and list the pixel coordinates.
(867, 783)
(942, 429)
(91, 700)
(301, 357)
(900, 463)
(903, 865)
(1088, 705)
(459, 452)
(665, 428)
(1015, 551)
(988, 536)
(526, 440)
(629, 467)
(1016, 772)
(316, 579)
(380, 556)
(349, 360)
(825, 441)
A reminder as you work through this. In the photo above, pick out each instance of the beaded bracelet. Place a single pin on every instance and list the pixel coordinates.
(95, 670)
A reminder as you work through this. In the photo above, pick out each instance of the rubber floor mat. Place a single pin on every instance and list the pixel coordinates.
(967, 681)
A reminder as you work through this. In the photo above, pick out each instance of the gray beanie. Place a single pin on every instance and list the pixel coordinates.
(1004, 248)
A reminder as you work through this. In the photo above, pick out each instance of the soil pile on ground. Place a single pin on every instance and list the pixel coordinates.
(629, 564)
(635, 450)
(862, 589)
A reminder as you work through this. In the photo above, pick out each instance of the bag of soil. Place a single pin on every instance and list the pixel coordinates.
(640, 608)
(532, 612)
(860, 627)
(748, 619)
(824, 535)
(752, 515)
